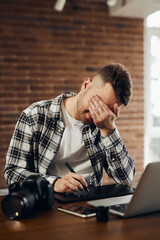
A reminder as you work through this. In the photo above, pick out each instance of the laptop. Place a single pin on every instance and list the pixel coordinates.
(145, 199)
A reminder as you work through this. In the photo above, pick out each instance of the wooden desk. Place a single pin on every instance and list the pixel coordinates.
(56, 225)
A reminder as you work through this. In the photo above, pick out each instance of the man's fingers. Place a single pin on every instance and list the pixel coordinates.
(74, 181)
(103, 115)
(99, 106)
(95, 108)
(99, 110)
(70, 182)
(79, 180)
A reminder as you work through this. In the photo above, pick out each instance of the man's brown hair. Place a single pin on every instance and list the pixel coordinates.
(120, 79)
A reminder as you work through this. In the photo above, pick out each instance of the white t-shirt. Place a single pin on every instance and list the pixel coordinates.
(71, 150)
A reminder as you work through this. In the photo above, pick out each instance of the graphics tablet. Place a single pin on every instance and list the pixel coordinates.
(98, 192)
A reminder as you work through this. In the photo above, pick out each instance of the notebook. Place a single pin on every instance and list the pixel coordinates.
(145, 199)
(99, 192)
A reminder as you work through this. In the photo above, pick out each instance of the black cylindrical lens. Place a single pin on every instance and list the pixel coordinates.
(17, 205)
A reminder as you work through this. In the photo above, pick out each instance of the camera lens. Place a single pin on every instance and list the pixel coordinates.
(17, 205)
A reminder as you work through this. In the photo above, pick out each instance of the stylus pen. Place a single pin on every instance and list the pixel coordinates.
(71, 170)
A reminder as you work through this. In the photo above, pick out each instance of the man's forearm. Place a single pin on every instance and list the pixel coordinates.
(120, 164)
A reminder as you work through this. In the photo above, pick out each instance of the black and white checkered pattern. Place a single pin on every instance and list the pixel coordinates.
(38, 134)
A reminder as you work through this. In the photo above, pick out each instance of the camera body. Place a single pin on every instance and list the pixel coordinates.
(36, 193)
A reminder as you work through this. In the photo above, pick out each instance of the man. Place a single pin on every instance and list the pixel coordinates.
(79, 129)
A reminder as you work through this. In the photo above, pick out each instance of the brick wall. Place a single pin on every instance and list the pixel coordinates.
(44, 53)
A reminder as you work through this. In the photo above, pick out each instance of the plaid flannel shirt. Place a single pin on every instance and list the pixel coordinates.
(38, 134)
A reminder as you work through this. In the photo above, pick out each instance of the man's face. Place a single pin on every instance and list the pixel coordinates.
(102, 90)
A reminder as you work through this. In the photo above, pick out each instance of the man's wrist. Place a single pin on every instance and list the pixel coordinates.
(55, 184)
(105, 132)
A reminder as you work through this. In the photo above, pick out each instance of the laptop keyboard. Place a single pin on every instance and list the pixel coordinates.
(120, 207)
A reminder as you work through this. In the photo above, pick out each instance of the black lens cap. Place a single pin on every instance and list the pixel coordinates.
(102, 214)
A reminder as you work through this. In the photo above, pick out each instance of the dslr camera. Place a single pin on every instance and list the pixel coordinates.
(36, 193)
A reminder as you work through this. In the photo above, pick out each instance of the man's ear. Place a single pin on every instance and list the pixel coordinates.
(86, 83)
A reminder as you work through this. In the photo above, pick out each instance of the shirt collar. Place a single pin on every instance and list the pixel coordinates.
(56, 104)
